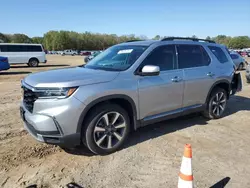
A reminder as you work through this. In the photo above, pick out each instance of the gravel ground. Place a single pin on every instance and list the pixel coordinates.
(151, 157)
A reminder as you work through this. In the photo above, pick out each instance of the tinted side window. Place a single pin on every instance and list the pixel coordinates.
(234, 56)
(218, 52)
(11, 48)
(192, 56)
(3, 48)
(20, 48)
(30, 48)
(163, 56)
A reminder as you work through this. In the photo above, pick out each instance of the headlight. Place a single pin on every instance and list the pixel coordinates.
(60, 93)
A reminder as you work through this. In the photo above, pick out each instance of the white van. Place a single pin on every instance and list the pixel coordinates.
(31, 54)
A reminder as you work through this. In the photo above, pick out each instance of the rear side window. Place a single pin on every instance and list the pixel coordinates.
(218, 52)
(34, 48)
(162, 56)
(234, 56)
(192, 56)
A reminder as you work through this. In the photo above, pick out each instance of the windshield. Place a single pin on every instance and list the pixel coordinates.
(116, 58)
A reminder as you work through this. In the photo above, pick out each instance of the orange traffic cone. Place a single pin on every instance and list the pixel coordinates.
(186, 175)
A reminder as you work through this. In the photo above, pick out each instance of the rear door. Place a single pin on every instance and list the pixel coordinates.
(162, 93)
(198, 75)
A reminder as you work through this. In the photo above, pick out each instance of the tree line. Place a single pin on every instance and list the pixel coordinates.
(61, 40)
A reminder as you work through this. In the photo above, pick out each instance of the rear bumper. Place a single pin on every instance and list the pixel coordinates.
(45, 61)
(236, 85)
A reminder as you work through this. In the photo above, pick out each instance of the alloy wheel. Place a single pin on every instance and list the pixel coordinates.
(109, 130)
(219, 103)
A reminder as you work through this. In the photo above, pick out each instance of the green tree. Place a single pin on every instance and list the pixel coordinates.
(157, 37)
(208, 38)
(37, 40)
(239, 42)
(20, 38)
(194, 37)
(49, 40)
(4, 38)
(222, 39)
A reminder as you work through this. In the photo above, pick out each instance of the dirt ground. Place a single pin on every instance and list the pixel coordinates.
(151, 158)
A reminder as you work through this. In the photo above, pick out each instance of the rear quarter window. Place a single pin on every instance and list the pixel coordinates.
(219, 54)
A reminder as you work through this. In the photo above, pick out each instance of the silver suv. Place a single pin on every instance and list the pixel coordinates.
(128, 86)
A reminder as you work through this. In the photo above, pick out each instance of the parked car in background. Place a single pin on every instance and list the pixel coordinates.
(4, 63)
(92, 56)
(238, 60)
(243, 53)
(69, 52)
(248, 53)
(85, 53)
(248, 73)
(31, 54)
(128, 86)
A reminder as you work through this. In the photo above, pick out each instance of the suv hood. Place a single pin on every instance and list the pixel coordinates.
(69, 77)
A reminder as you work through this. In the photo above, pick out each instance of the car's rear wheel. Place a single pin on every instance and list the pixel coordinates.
(106, 129)
(33, 63)
(216, 104)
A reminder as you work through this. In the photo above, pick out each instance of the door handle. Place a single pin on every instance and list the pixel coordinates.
(210, 74)
(176, 79)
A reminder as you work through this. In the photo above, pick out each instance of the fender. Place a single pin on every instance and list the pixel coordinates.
(103, 99)
(224, 81)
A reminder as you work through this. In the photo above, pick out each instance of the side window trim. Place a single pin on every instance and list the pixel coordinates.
(174, 65)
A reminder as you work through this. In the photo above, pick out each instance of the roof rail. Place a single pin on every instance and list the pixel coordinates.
(187, 38)
(134, 40)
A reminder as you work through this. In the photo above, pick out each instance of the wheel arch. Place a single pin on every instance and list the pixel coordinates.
(225, 84)
(130, 104)
(34, 58)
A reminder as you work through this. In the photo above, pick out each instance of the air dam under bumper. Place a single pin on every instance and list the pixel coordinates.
(46, 128)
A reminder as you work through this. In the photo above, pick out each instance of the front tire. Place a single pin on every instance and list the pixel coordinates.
(33, 63)
(216, 104)
(106, 129)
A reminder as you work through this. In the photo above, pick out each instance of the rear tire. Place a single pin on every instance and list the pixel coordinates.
(106, 129)
(33, 63)
(216, 104)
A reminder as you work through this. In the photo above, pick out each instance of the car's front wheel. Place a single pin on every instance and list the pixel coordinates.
(106, 129)
(216, 104)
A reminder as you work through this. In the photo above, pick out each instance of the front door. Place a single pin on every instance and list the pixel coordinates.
(162, 93)
(198, 74)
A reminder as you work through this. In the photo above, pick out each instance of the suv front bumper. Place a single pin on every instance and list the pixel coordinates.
(54, 128)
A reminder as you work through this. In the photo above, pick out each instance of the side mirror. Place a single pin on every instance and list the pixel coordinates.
(150, 70)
